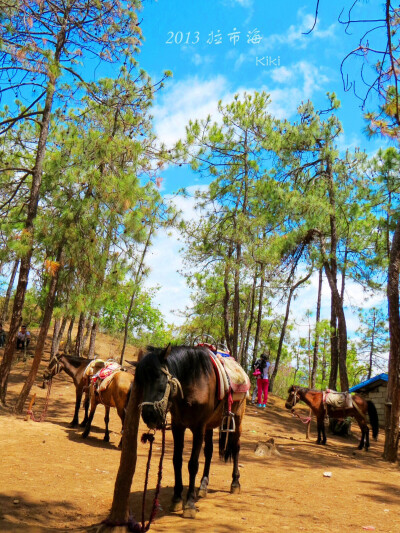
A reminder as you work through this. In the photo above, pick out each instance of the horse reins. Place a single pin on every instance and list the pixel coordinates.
(305, 420)
(172, 388)
(46, 405)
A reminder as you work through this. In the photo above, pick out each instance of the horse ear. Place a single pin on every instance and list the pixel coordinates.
(167, 351)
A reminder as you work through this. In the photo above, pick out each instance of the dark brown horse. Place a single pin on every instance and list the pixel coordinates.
(75, 368)
(182, 380)
(360, 410)
(115, 395)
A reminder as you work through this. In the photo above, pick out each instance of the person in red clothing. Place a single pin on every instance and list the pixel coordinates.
(263, 365)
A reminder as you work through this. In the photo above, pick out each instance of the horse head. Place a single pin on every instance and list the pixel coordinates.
(157, 385)
(293, 397)
(53, 368)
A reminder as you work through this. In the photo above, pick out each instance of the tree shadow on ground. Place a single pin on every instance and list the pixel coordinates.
(21, 513)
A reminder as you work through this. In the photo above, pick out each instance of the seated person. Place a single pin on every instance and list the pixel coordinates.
(23, 338)
(2, 336)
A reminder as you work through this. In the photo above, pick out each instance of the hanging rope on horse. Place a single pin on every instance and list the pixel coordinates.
(131, 524)
(30, 413)
(304, 419)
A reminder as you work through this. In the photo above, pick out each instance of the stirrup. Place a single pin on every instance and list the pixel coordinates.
(228, 423)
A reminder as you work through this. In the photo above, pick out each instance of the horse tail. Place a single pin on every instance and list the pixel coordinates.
(225, 446)
(373, 418)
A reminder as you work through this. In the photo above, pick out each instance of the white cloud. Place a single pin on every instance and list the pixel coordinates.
(243, 3)
(184, 100)
(297, 35)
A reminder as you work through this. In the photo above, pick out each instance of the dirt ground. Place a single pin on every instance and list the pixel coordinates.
(52, 480)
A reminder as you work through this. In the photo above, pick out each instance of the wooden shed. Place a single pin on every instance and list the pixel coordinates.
(374, 389)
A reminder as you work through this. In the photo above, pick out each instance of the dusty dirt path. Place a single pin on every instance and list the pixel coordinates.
(52, 480)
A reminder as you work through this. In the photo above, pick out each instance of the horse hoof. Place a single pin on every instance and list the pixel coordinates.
(84, 435)
(176, 506)
(235, 489)
(189, 512)
(72, 424)
(106, 439)
(83, 423)
(203, 488)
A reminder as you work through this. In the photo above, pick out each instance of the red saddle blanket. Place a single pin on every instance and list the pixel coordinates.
(108, 369)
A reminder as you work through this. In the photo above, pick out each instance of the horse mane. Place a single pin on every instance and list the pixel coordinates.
(189, 362)
(76, 361)
(186, 363)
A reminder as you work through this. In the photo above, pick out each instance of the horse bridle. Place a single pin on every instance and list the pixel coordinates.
(56, 369)
(172, 388)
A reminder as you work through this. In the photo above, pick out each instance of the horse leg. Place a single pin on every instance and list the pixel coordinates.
(121, 414)
(189, 511)
(321, 430)
(179, 436)
(90, 418)
(364, 435)
(78, 399)
(235, 486)
(106, 420)
(86, 407)
(208, 453)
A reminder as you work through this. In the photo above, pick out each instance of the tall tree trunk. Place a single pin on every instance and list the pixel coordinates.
(392, 411)
(225, 303)
(89, 323)
(333, 269)
(44, 328)
(334, 348)
(236, 302)
(93, 334)
(6, 303)
(56, 331)
(371, 352)
(120, 506)
(250, 325)
(259, 314)
(79, 335)
(338, 304)
(25, 266)
(242, 355)
(137, 280)
(324, 363)
(60, 334)
(316, 339)
(292, 290)
(68, 344)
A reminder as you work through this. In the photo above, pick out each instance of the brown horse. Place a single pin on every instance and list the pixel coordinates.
(360, 410)
(182, 380)
(75, 368)
(115, 395)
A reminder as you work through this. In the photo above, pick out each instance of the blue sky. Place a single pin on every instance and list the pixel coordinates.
(205, 44)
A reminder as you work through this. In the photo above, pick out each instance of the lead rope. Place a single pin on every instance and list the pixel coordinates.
(156, 503)
(44, 412)
(131, 524)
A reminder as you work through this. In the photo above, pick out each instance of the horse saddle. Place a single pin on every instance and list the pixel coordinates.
(104, 383)
(230, 377)
(338, 400)
(93, 367)
(109, 368)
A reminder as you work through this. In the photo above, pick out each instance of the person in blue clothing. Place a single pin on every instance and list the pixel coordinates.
(263, 365)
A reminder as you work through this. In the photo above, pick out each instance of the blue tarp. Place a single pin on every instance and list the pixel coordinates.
(382, 377)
